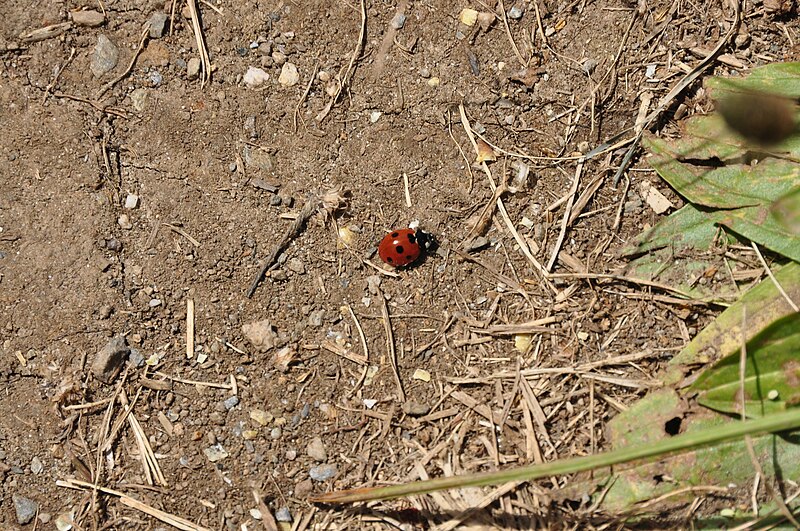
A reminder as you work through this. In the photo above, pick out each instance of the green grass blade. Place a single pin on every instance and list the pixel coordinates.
(788, 420)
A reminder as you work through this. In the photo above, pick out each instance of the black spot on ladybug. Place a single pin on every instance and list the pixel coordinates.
(409, 258)
(395, 234)
(399, 249)
(412, 238)
(389, 259)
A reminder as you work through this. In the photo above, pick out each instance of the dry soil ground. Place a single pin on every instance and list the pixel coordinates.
(129, 194)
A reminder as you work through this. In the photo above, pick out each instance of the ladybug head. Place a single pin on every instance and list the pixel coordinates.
(426, 240)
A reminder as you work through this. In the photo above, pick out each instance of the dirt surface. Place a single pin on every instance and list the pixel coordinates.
(127, 194)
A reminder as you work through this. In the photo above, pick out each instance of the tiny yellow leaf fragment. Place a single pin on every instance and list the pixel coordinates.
(422, 374)
(522, 342)
(468, 16)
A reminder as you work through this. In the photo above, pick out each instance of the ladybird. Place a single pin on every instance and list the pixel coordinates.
(402, 247)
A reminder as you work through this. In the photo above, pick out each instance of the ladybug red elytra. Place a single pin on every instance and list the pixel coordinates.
(402, 247)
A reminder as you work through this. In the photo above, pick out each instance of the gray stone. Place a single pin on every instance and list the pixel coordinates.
(296, 266)
(108, 361)
(158, 23)
(322, 472)
(231, 402)
(315, 319)
(316, 450)
(398, 21)
(26, 509)
(104, 57)
(193, 68)
(283, 515)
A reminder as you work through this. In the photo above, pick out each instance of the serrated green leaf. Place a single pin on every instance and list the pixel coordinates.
(772, 373)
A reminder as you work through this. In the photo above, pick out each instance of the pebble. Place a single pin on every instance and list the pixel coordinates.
(132, 201)
(154, 303)
(255, 158)
(255, 77)
(265, 48)
(275, 433)
(36, 465)
(275, 201)
(215, 453)
(322, 472)
(136, 358)
(424, 73)
(105, 311)
(398, 21)
(589, 65)
(316, 450)
(261, 334)
(415, 409)
(231, 402)
(193, 68)
(104, 57)
(155, 78)
(283, 515)
(316, 317)
(279, 58)
(515, 13)
(158, 23)
(108, 361)
(278, 275)
(113, 244)
(25, 508)
(296, 266)
(289, 75)
(374, 284)
(124, 222)
(90, 18)
(138, 98)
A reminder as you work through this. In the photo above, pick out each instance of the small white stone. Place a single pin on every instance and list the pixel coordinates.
(124, 222)
(132, 201)
(289, 75)
(255, 77)
(374, 116)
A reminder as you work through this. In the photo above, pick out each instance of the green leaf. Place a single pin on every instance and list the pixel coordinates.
(787, 213)
(772, 373)
(688, 228)
(764, 305)
(729, 186)
(760, 224)
(722, 464)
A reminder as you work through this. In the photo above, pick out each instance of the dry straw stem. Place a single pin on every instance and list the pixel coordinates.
(195, 382)
(175, 521)
(205, 62)
(390, 350)
(189, 328)
(501, 207)
(343, 80)
(303, 97)
(175, 228)
(309, 208)
(567, 216)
